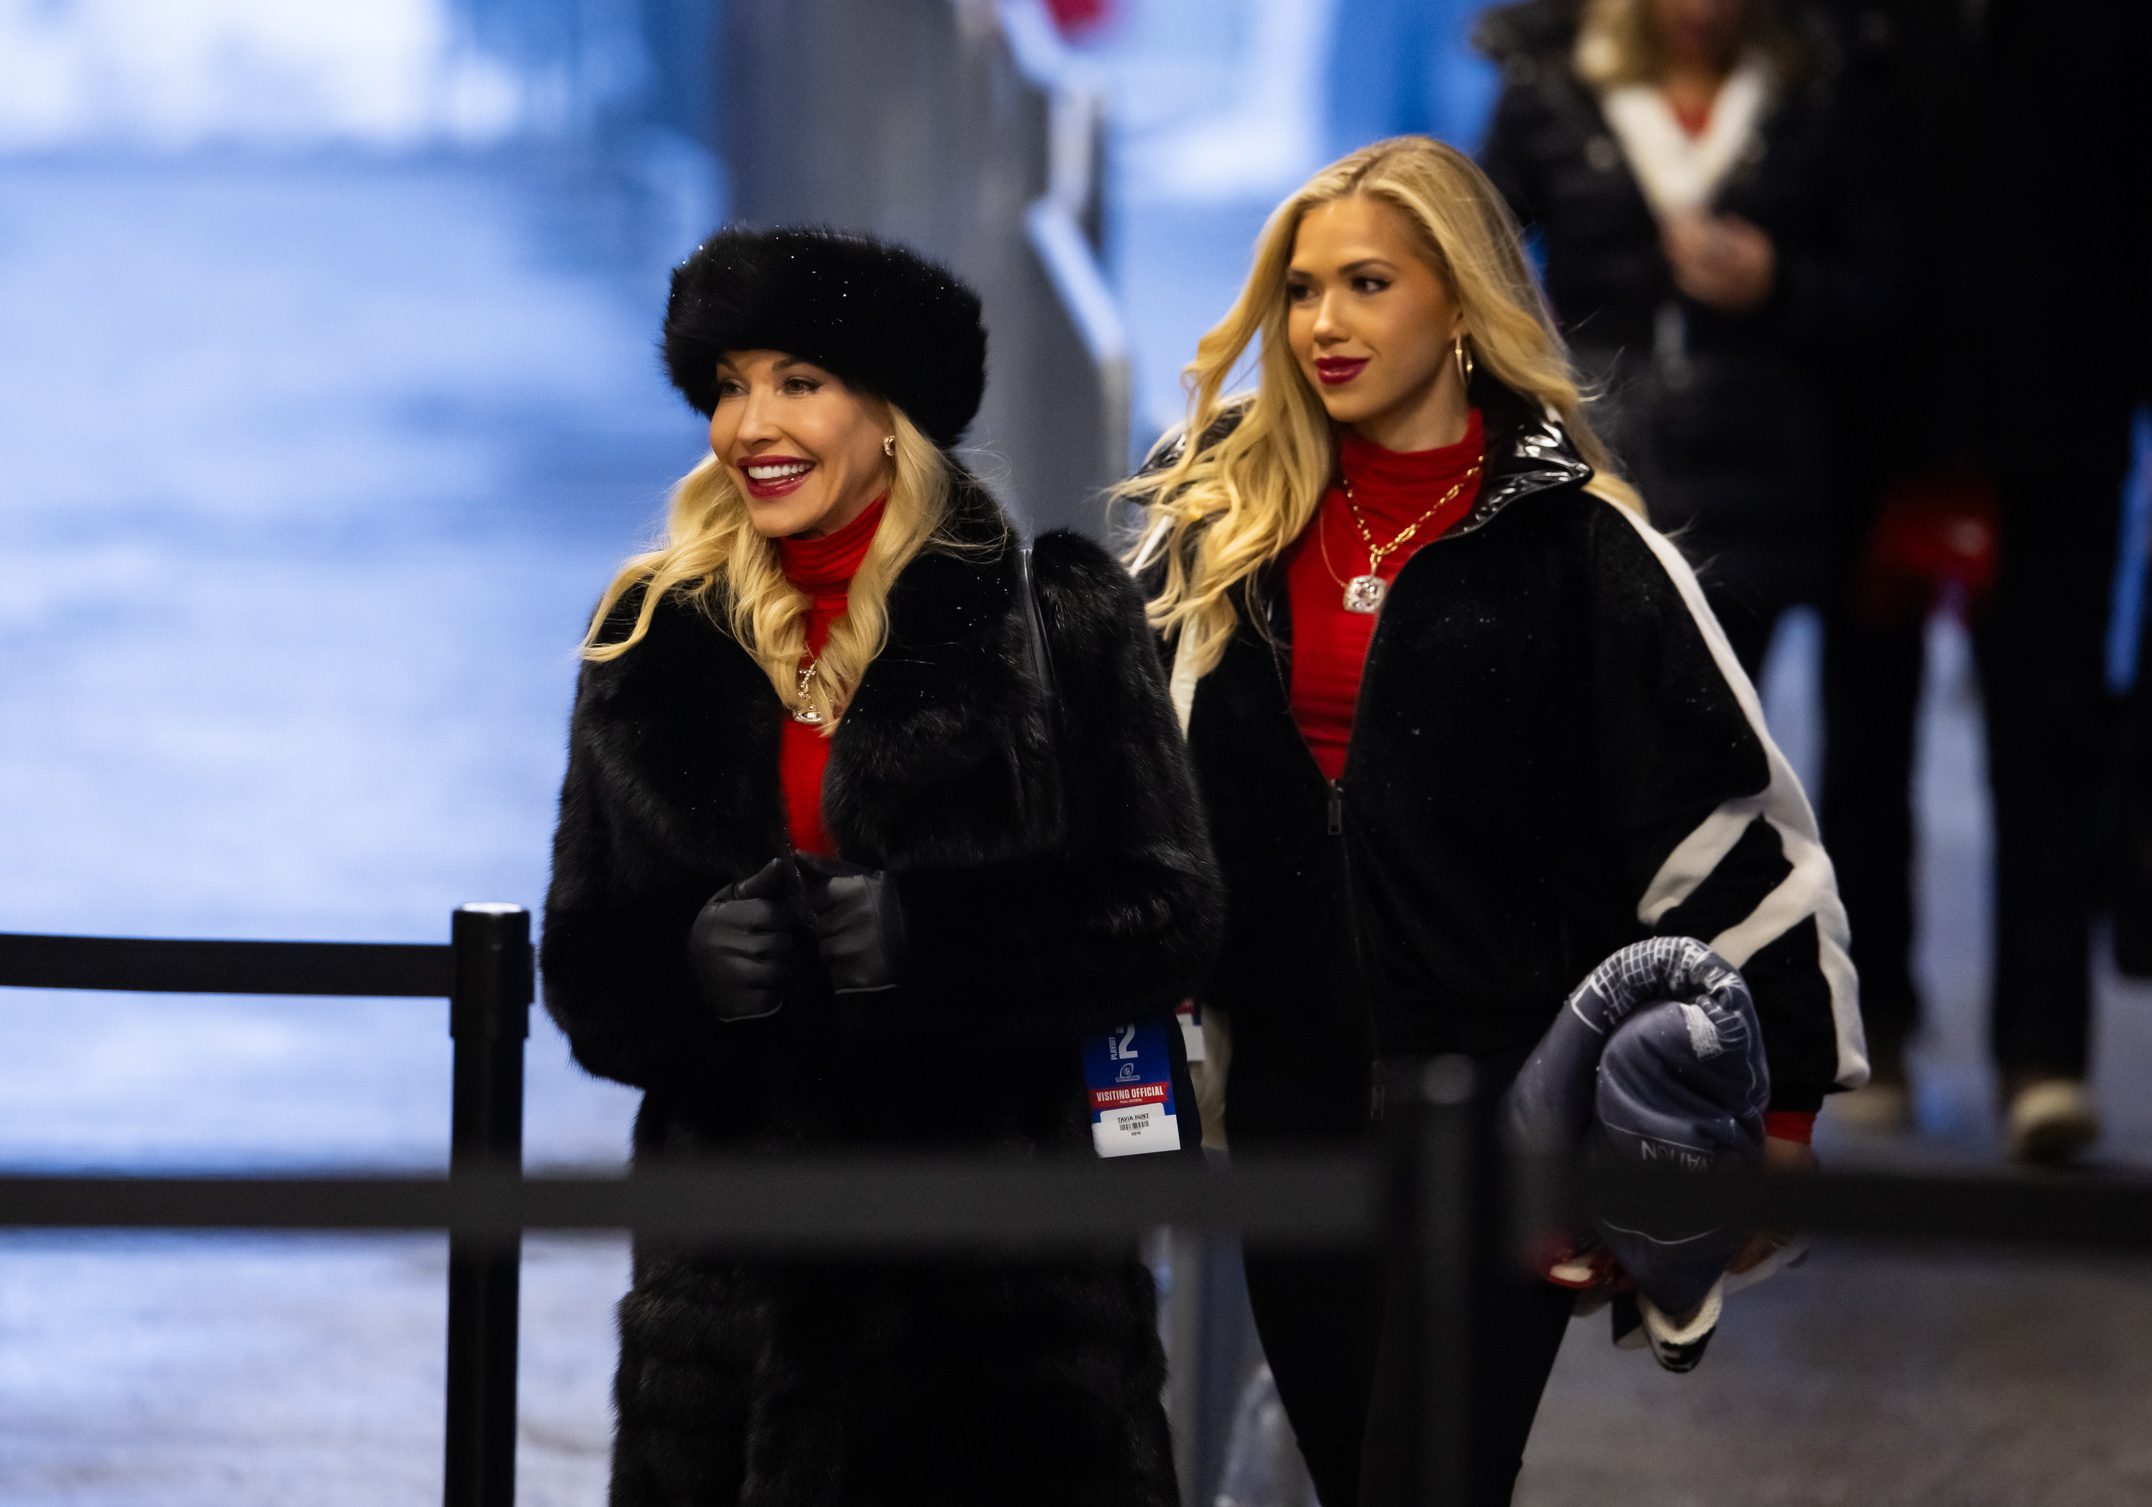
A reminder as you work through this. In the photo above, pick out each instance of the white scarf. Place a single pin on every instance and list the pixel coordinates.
(1680, 173)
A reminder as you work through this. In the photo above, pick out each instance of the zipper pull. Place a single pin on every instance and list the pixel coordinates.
(1337, 809)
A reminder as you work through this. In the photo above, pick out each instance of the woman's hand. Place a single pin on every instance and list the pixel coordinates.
(858, 924)
(1721, 261)
(1779, 1155)
(740, 947)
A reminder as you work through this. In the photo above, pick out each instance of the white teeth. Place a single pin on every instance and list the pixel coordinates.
(777, 473)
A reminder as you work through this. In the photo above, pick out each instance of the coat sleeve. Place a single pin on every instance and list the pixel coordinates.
(613, 952)
(1124, 917)
(1708, 832)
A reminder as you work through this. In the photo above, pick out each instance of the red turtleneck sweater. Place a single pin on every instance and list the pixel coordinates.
(823, 568)
(1330, 643)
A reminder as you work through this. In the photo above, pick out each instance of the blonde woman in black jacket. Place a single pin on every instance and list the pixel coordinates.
(1463, 726)
(827, 876)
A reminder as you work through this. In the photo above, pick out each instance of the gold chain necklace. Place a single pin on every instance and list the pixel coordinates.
(1365, 593)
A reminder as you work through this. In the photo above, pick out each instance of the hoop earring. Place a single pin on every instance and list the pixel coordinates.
(889, 446)
(1463, 352)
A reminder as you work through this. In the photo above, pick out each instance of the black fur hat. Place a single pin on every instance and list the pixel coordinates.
(881, 317)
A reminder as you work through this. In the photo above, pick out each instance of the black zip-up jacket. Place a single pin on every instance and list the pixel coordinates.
(1554, 755)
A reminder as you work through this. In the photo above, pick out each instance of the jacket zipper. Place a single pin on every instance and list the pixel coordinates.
(1336, 810)
(1334, 827)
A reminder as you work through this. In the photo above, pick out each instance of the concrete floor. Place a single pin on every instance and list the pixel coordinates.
(311, 472)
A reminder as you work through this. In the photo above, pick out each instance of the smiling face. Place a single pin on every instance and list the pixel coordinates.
(805, 449)
(1371, 324)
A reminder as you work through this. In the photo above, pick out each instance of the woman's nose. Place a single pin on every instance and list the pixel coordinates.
(757, 422)
(1327, 326)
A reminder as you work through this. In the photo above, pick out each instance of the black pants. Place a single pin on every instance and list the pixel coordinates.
(2040, 649)
(1342, 1377)
(1341, 1361)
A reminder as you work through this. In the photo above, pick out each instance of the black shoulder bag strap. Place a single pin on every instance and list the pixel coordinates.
(1042, 670)
(1168, 1033)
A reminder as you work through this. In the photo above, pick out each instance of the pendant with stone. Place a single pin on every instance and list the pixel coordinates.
(1365, 593)
(803, 709)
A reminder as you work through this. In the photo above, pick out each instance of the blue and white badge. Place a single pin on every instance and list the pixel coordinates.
(1129, 1071)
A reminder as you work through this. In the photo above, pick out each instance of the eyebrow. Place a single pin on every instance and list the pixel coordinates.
(1364, 264)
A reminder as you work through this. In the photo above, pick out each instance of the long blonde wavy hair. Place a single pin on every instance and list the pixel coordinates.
(1221, 511)
(713, 556)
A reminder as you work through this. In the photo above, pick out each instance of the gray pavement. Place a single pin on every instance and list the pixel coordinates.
(308, 473)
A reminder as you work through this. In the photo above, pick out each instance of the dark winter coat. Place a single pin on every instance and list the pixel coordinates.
(1735, 426)
(986, 1382)
(1554, 755)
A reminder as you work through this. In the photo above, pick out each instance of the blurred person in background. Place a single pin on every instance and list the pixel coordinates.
(1698, 177)
(2027, 160)
(1464, 727)
(822, 879)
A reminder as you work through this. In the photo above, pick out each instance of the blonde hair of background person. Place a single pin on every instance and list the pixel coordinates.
(1224, 510)
(713, 555)
(1617, 44)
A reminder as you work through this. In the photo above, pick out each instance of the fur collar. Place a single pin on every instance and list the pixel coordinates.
(686, 727)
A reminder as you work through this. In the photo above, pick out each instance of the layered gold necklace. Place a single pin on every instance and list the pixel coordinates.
(1365, 593)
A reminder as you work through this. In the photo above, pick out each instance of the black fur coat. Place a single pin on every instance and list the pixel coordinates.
(1033, 917)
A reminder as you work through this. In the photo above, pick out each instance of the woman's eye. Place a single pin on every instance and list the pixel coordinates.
(1369, 284)
(798, 386)
(727, 388)
(1298, 292)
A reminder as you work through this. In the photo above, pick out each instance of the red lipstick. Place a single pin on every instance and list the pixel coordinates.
(1333, 370)
(779, 474)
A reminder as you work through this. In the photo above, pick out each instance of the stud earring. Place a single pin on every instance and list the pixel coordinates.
(889, 446)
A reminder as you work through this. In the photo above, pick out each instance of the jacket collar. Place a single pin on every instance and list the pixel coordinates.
(1528, 450)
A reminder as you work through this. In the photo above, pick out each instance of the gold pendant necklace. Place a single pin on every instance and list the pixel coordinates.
(1365, 594)
(803, 709)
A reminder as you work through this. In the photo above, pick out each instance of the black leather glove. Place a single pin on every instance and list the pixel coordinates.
(858, 924)
(740, 947)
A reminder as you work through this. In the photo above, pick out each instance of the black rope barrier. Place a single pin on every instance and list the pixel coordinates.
(764, 1205)
(1328, 1202)
(153, 966)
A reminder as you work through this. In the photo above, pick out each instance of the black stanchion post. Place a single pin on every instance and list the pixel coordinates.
(488, 1020)
(1438, 1243)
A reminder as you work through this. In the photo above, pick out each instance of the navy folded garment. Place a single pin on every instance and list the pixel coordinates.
(1655, 1059)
